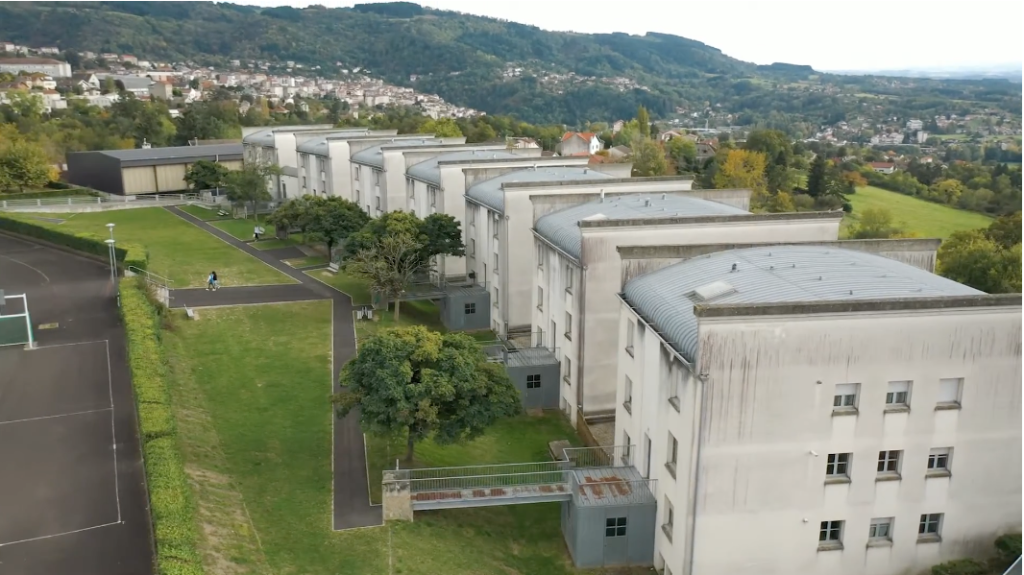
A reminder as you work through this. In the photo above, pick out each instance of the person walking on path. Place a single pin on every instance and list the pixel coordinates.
(211, 282)
(256, 232)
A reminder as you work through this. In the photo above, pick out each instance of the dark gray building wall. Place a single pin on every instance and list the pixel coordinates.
(466, 310)
(586, 535)
(95, 170)
(537, 385)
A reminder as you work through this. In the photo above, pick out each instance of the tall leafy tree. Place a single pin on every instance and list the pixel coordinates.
(683, 152)
(876, 223)
(248, 186)
(972, 258)
(415, 384)
(643, 119)
(742, 169)
(206, 175)
(442, 128)
(389, 267)
(817, 179)
(648, 158)
(1006, 230)
(23, 164)
(332, 220)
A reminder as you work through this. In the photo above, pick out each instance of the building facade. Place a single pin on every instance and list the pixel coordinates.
(48, 66)
(835, 411)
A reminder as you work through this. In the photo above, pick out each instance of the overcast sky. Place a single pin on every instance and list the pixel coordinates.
(826, 34)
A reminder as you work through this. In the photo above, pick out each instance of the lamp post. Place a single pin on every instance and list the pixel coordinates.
(113, 263)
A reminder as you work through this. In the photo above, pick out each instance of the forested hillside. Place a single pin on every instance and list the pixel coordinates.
(462, 58)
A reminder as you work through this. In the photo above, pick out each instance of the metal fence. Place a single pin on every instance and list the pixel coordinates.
(606, 456)
(488, 482)
(480, 470)
(135, 201)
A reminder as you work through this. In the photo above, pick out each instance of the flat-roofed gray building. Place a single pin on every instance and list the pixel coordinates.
(147, 170)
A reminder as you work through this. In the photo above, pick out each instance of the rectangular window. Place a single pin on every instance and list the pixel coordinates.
(897, 395)
(567, 370)
(670, 519)
(630, 328)
(880, 529)
(838, 466)
(533, 381)
(845, 398)
(376, 177)
(470, 308)
(472, 216)
(627, 449)
(303, 182)
(615, 527)
(568, 278)
(472, 247)
(930, 527)
(627, 395)
(673, 454)
(376, 202)
(355, 173)
(568, 326)
(540, 298)
(496, 263)
(496, 294)
(938, 461)
(432, 194)
(889, 464)
(949, 393)
(830, 535)
(540, 255)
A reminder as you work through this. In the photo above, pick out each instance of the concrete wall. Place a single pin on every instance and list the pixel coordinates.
(596, 303)
(766, 426)
(639, 260)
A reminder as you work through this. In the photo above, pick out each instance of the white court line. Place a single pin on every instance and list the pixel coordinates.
(37, 348)
(113, 432)
(42, 417)
(41, 537)
(46, 277)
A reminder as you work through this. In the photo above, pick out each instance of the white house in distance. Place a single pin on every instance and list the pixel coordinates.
(835, 411)
(579, 270)
(579, 144)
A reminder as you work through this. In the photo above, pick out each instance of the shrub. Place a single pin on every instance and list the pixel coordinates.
(171, 506)
(1008, 547)
(56, 190)
(961, 567)
(128, 254)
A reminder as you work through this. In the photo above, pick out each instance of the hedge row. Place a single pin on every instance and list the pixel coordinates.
(171, 505)
(52, 193)
(127, 253)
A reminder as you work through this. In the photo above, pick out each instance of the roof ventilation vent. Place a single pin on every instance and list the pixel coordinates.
(647, 203)
(769, 254)
(821, 278)
(735, 266)
(664, 196)
(771, 267)
(586, 171)
(711, 291)
(851, 292)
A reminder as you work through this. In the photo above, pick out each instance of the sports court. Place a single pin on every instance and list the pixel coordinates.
(72, 489)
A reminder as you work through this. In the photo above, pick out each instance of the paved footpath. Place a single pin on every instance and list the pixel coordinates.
(352, 507)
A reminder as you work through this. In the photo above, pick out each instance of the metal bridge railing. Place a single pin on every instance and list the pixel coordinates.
(151, 277)
(479, 470)
(609, 456)
(488, 482)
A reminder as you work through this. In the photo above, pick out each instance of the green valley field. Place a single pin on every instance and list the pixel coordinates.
(926, 219)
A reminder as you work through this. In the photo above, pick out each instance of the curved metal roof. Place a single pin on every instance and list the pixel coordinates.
(490, 192)
(562, 228)
(319, 144)
(429, 172)
(374, 156)
(263, 138)
(773, 274)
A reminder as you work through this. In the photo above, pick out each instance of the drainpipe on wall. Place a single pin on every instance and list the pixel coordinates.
(580, 360)
(703, 379)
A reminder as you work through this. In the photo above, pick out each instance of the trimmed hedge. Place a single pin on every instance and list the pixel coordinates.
(171, 506)
(128, 254)
(55, 192)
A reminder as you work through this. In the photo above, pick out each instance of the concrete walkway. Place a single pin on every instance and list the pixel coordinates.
(242, 295)
(352, 507)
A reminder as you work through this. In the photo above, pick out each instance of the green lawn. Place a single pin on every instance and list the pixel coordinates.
(205, 214)
(274, 244)
(177, 249)
(250, 388)
(927, 219)
(306, 262)
(242, 228)
(351, 286)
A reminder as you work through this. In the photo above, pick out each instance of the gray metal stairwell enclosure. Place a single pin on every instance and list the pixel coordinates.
(465, 308)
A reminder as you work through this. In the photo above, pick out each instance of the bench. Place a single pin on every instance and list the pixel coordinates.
(333, 268)
(222, 213)
(191, 314)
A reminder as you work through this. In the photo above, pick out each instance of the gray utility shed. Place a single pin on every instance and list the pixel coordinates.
(535, 372)
(465, 308)
(146, 170)
(610, 520)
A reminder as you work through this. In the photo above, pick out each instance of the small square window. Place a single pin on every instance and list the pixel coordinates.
(897, 395)
(938, 461)
(470, 308)
(845, 398)
(837, 466)
(533, 381)
(880, 529)
(930, 527)
(615, 527)
(830, 535)
(889, 464)
(950, 391)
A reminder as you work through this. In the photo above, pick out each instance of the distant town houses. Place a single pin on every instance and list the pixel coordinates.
(48, 66)
(883, 167)
(580, 144)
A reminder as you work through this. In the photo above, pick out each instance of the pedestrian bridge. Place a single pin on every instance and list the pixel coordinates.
(587, 476)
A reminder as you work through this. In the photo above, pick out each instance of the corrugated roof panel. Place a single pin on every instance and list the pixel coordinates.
(775, 274)
(562, 228)
(490, 192)
(374, 155)
(428, 171)
(183, 153)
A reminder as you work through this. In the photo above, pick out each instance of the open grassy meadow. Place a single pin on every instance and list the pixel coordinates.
(927, 219)
(177, 249)
(250, 388)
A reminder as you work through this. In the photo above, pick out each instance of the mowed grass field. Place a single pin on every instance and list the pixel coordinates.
(251, 386)
(927, 219)
(177, 249)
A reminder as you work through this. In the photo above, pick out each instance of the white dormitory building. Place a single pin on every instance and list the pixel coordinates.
(578, 270)
(279, 146)
(818, 410)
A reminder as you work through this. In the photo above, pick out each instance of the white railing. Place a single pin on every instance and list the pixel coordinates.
(134, 201)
